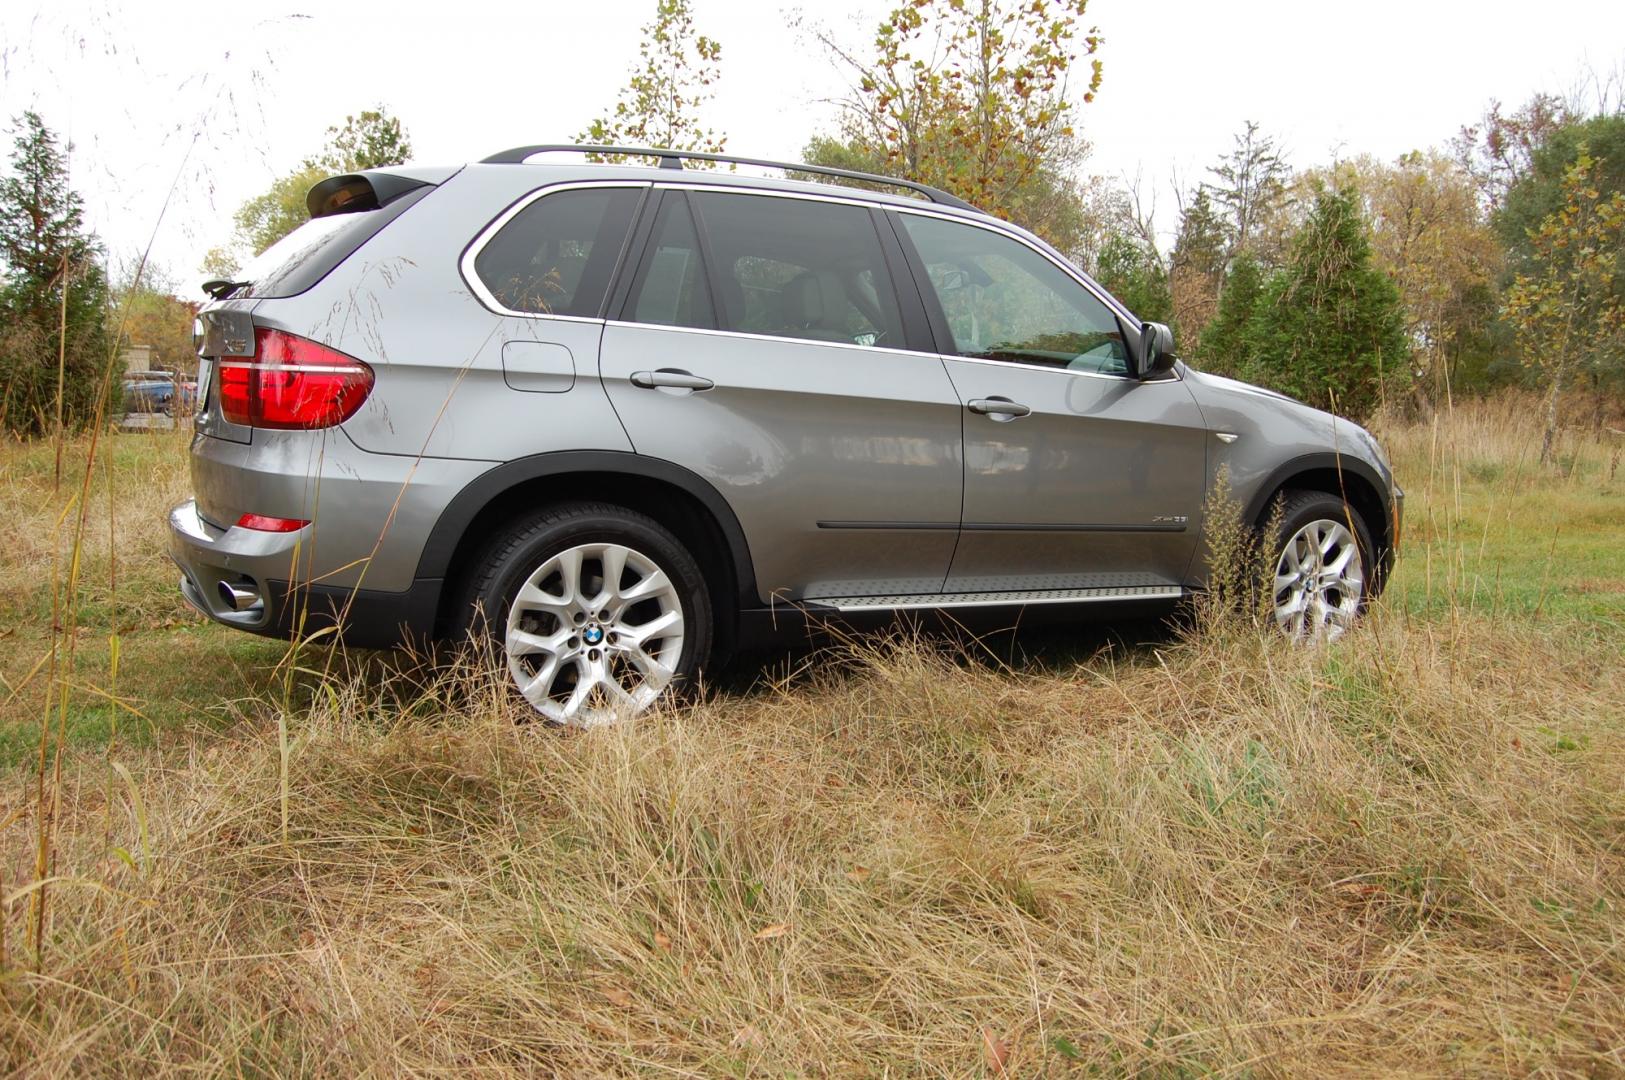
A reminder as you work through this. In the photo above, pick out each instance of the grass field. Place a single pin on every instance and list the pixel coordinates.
(1179, 856)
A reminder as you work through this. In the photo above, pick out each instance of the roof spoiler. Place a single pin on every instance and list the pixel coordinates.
(352, 193)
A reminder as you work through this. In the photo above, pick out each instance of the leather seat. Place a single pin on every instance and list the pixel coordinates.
(814, 305)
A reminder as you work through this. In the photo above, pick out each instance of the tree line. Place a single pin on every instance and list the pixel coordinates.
(1357, 284)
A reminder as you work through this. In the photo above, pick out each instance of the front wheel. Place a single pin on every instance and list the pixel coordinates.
(598, 612)
(1323, 570)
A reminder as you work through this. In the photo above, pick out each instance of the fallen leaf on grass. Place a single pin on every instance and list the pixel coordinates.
(996, 1050)
(767, 933)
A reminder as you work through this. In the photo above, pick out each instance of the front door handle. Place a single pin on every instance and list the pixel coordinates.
(671, 378)
(999, 408)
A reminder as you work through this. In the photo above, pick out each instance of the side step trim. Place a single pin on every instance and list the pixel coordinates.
(994, 599)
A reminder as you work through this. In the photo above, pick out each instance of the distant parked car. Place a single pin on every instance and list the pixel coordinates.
(159, 392)
(148, 391)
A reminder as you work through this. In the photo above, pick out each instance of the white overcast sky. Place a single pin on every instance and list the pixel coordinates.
(223, 97)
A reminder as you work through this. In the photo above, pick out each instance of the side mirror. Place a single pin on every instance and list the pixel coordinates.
(1155, 353)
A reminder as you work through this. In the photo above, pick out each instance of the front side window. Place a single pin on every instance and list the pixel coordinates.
(1005, 301)
(797, 268)
(557, 255)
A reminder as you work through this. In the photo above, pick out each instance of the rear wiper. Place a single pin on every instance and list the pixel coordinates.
(220, 288)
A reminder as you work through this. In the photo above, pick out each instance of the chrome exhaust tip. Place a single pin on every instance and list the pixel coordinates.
(243, 596)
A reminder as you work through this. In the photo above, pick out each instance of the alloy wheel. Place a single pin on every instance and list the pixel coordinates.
(594, 634)
(1319, 582)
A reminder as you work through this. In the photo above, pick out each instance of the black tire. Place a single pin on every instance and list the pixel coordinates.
(1294, 510)
(517, 551)
(1298, 508)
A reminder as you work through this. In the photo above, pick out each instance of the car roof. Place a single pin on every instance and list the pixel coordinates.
(566, 172)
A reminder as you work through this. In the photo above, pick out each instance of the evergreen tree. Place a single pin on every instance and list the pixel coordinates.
(1329, 326)
(1224, 347)
(1196, 267)
(54, 301)
(1135, 276)
(1251, 190)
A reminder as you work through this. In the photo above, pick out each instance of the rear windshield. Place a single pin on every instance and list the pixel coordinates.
(309, 253)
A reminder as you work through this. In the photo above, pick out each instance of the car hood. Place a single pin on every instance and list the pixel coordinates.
(1245, 396)
(1226, 384)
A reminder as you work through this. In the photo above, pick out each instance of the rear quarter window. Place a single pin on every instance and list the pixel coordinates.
(557, 255)
(302, 258)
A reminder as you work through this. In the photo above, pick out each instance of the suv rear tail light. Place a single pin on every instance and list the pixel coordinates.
(264, 523)
(292, 383)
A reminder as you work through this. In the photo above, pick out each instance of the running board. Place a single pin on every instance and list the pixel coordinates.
(993, 599)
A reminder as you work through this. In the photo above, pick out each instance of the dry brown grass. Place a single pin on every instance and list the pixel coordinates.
(1399, 855)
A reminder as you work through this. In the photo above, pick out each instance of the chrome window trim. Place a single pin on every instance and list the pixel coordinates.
(633, 324)
(984, 221)
(1106, 299)
(465, 265)
(991, 224)
(1058, 370)
(1004, 228)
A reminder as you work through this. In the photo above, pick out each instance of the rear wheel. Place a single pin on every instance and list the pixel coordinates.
(1322, 568)
(598, 612)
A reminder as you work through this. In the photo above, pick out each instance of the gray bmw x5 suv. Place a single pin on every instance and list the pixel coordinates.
(620, 420)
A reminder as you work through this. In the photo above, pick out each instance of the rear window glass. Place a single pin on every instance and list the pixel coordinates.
(800, 268)
(309, 253)
(557, 255)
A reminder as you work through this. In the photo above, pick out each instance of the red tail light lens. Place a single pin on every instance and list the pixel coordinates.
(262, 523)
(292, 383)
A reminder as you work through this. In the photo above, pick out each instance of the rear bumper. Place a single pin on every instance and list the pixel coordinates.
(241, 578)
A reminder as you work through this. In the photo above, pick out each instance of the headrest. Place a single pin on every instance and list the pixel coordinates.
(816, 298)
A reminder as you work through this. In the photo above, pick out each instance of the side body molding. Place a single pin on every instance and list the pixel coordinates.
(460, 513)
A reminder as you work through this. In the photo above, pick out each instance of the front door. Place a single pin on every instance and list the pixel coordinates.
(762, 346)
(1077, 476)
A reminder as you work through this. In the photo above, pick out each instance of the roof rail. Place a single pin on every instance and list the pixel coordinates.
(673, 159)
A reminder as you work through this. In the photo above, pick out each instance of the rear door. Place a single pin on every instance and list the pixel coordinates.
(1077, 476)
(763, 345)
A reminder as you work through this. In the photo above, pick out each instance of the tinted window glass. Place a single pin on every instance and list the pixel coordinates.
(1005, 301)
(673, 290)
(800, 269)
(306, 255)
(556, 256)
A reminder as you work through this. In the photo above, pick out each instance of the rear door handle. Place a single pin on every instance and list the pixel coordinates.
(999, 408)
(671, 378)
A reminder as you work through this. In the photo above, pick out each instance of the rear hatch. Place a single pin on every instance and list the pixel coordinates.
(345, 212)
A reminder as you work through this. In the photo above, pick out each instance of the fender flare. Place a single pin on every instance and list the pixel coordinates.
(459, 514)
(1332, 462)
